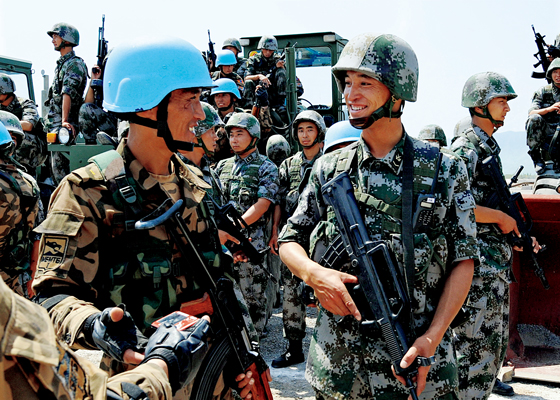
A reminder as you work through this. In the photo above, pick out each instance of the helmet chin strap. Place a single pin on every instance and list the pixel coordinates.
(486, 114)
(385, 111)
(200, 143)
(162, 127)
(251, 146)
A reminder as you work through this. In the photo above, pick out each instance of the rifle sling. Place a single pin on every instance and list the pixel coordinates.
(407, 206)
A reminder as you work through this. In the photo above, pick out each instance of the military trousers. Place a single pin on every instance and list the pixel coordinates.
(539, 133)
(481, 342)
(253, 281)
(293, 312)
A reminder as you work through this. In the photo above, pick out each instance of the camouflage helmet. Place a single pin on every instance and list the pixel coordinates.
(7, 85)
(481, 88)
(245, 121)
(277, 149)
(433, 132)
(212, 120)
(12, 124)
(555, 64)
(232, 42)
(225, 57)
(384, 57)
(268, 43)
(67, 32)
(310, 116)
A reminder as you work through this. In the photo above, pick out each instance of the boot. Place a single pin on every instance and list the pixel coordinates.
(294, 355)
(502, 388)
(536, 156)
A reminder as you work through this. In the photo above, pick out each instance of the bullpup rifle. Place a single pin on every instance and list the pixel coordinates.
(102, 50)
(542, 56)
(514, 206)
(227, 315)
(380, 295)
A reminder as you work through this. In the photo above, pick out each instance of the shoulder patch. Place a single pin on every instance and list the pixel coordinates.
(54, 252)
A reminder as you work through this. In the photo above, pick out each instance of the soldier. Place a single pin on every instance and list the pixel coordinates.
(32, 151)
(36, 365)
(234, 45)
(308, 130)
(433, 134)
(225, 62)
(19, 196)
(544, 118)
(65, 94)
(482, 341)
(266, 69)
(340, 135)
(91, 256)
(377, 73)
(250, 180)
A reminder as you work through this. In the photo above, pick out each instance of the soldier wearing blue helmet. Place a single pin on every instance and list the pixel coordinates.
(225, 62)
(100, 259)
(340, 135)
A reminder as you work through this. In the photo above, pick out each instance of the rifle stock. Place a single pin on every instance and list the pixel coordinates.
(514, 206)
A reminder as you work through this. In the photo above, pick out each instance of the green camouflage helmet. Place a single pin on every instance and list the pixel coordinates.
(433, 132)
(67, 32)
(268, 43)
(277, 149)
(212, 120)
(245, 121)
(12, 124)
(555, 64)
(481, 88)
(310, 116)
(233, 42)
(385, 57)
(7, 85)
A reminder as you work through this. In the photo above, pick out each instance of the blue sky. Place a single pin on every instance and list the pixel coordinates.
(452, 39)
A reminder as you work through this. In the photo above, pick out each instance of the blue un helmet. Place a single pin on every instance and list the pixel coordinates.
(225, 57)
(225, 85)
(142, 73)
(341, 132)
(7, 144)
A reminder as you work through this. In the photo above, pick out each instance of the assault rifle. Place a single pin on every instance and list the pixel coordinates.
(514, 206)
(210, 55)
(102, 50)
(227, 317)
(541, 55)
(380, 295)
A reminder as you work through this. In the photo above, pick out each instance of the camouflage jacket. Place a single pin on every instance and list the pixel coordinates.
(258, 64)
(87, 251)
(19, 195)
(473, 146)
(205, 172)
(241, 66)
(245, 181)
(545, 97)
(233, 76)
(339, 348)
(34, 362)
(70, 77)
(290, 175)
(23, 109)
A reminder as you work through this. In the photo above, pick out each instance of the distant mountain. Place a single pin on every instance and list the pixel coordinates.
(514, 153)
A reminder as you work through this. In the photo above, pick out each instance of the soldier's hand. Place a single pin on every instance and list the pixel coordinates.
(114, 332)
(225, 237)
(423, 346)
(245, 382)
(273, 242)
(95, 72)
(508, 224)
(264, 79)
(280, 64)
(182, 351)
(70, 128)
(554, 108)
(330, 290)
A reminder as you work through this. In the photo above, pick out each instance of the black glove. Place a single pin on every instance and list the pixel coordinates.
(114, 338)
(182, 351)
(262, 97)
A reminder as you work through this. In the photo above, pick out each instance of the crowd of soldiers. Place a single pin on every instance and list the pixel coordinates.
(98, 282)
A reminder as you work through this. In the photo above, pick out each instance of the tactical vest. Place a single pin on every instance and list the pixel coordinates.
(298, 180)
(16, 257)
(246, 193)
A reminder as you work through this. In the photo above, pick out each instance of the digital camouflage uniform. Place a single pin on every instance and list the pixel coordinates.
(245, 181)
(241, 66)
(541, 128)
(344, 363)
(70, 78)
(35, 365)
(19, 196)
(290, 175)
(94, 119)
(258, 64)
(32, 151)
(233, 76)
(86, 250)
(482, 341)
